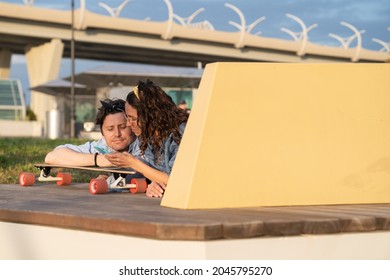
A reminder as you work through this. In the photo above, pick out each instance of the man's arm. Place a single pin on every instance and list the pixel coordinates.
(66, 156)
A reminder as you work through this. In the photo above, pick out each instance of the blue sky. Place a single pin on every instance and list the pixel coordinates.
(371, 15)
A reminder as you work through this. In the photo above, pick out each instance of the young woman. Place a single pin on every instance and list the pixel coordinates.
(159, 126)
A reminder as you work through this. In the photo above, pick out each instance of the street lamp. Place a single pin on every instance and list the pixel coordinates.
(28, 2)
(72, 95)
(242, 27)
(302, 36)
(182, 21)
(385, 45)
(345, 42)
(114, 12)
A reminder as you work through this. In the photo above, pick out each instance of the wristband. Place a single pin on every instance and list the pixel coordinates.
(96, 165)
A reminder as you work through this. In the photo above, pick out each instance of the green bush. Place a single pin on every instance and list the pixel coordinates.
(30, 115)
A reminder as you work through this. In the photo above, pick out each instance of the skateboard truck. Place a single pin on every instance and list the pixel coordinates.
(120, 182)
(44, 175)
(61, 178)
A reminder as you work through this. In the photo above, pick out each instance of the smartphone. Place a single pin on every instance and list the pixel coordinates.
(101, 150)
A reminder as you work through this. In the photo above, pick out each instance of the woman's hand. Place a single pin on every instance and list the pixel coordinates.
(155, 189)
(120, 159)
(126, 160)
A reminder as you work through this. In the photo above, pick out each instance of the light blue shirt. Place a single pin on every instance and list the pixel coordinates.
(90, 147)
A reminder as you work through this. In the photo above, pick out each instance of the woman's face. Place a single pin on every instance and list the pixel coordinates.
(132, 119)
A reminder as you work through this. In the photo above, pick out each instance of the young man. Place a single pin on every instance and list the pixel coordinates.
(116, 136)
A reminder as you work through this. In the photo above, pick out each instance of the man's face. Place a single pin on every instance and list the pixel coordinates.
(132, 119)
(183, 106)
(116, 133)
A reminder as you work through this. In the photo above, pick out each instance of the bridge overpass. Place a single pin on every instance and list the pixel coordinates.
(44, 36)
(101, 37)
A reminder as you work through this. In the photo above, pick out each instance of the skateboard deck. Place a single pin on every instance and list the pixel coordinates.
(96, 186)
(117, 170)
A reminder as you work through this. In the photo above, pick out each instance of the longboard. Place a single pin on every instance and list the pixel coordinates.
(96, 186)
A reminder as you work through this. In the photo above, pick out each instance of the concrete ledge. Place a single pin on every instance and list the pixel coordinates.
(20, 128)
(32, 242)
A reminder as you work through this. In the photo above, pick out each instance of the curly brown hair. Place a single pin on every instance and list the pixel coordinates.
(158, 116)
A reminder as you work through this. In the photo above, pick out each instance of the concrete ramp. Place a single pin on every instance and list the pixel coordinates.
(266, 134)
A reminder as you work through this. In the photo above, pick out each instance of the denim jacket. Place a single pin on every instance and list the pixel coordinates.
(168, 153)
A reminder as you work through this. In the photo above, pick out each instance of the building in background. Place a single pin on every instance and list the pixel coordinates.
(12, 105)
(113, 81)
(13, 119)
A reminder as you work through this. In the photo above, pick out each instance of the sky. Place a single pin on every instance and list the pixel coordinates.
(372, 16)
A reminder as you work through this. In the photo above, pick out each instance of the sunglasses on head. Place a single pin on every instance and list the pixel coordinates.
(112, 108)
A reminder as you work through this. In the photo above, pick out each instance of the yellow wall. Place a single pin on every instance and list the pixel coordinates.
(285, 134)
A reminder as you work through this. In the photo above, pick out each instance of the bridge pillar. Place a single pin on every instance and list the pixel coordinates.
(43, 65)
(5, 63)
(265, 134)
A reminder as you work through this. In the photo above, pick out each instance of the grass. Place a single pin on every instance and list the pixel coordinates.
(20, 154)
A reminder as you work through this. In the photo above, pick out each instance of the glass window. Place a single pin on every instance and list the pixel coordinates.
(181, 95)
(12, 106)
